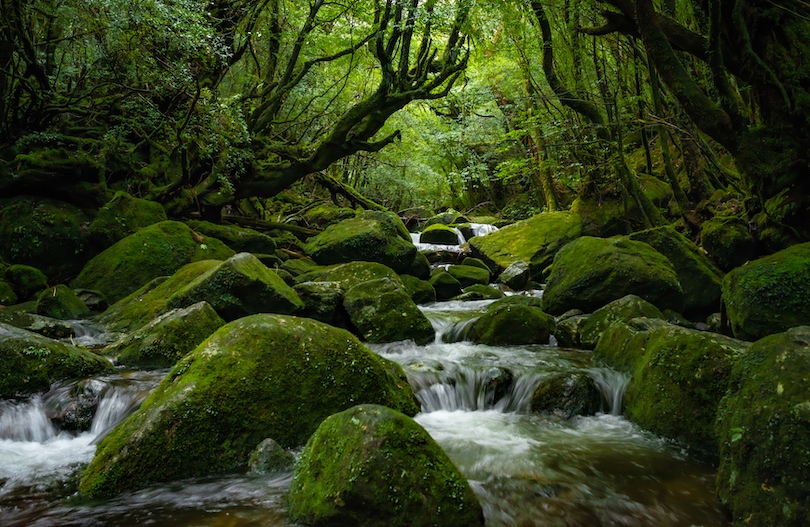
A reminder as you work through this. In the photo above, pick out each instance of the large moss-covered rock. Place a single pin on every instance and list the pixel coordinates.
(168, 338)
(30, 363)
(262, 376)
(62, 303)
(26, 281)
(7, 295)
(678, 377)
(566, 394)
(728, 241)
(439, 234)
(354, 273)
(624, 309)
(445, 285)
(240, 239)
(158, 250)
(605, 216)
(237, 287)
(46, 234)
(371, 466)
(764, 431)
(535, 241)
(372, 237)
(420, 291)
(323, 301)
(468, 275)
(770, 294)
(698, 276)
(152, 299)
(516, 276)
(124, 215)
(506, 323)
(590, 272)
(382, 311)
(325, 214)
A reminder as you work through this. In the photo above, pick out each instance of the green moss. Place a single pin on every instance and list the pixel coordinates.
(678, 377)
(122, 216)
(769, 295)
(763, 427)
(535, 240)
(326, 214)
(445, 285)
(371, 466)
(354, 273)
(622, 310)
(591, 272)
(262, 376)
(420, 291)
(504, 324)
(728, 241)
(157, 250)
(480, 292)
(439, 234)
(240, 239)
(7, 295)
(608, 215)
(26, 280)
(62, 303)
(468, 275)
(30, 363)
(323, 301)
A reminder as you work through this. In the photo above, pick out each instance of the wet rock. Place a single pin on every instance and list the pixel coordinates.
(445, 285)
(323, 301)
(769, 295)
(420, 291)
(439, 234)
(566, 394)
(516, 276)
(158, 250)
(270, 457)
(568, 328)
(504, 324)
(479, 292)
(62, 303)
(165, 340)
(45, 326)
(591, 272)
(73, 407)
(94, 300)
(373, 466)
(763, 429)
(468, 275)
(30, 363)
(497, 384)
(260, 376)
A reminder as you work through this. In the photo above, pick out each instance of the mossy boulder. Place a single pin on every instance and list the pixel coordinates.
(325, 214)
(504, 324)
(439, 234)
(121, 216)
(475, 262)
(157, 250)
(45, 326)
(420, 291)
(728, 241)
(770, 294)
(7, 295)
(30, 363)
(382, 311)
(445, 285)
(262, 376)
(26, 281)
(764, 431)
(468, 275)
(240, 239)
(516, 276)
(480, 292)
(270, 457)
(678, 377)
(535, 241)
(569, 327)
(372, 466)
(168, 338)
(323, 301)
(368, 237)
(238, 287)
(299, 266)
(152, 299)
(46, 234)
(62, 303)
(354, 273)
(449, 217)
(698, 276)
(420, 267)
(566, 394)
(591, 272)
(624, 309)
(605, 216)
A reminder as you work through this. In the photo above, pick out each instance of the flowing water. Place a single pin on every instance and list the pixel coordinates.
(527, 470)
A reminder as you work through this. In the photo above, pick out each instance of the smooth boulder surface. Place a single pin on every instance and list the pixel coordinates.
(769, 295)
(439, 234)
(764, 431)
(624, 309)
(372, 466)
(468, 275)
(26, 281)
(62, 303)
(591, 272)
(262, 376)
(157, 250)
(240, 239)
(165, 340)
(30, 363)
(678, 377)
(510, 323)
(121, 216)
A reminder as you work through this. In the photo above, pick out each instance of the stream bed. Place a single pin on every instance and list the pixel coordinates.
(527, 469)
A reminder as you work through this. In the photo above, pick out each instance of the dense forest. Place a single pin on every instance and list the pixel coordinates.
(516, 106)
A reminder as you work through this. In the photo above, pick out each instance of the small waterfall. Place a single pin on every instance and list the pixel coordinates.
(87, 334)
(26, 421)
(449, 330)
(612, 384)
(116, 404)
(482, 229)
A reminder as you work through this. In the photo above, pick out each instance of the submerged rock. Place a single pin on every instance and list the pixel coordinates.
(260, 376)
(769, 295)
(591, 272)
(158, 250)
(375, 467)
(763, 428)
(30, 363)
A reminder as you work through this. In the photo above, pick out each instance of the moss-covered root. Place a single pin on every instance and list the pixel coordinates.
(262, 376)
(372, 466)
(764, 430)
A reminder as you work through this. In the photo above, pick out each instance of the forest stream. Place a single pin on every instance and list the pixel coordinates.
(526, 469)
